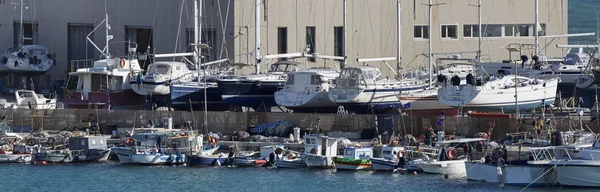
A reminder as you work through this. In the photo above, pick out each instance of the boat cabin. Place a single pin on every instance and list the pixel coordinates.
(321, 145)
(310, 81)
(355, 76)
(284, 67)
(163, 71)
(391, 152)
(163, 142)
(358, 153)
(456, 148)
(87, 143)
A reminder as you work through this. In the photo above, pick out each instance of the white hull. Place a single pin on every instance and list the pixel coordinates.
(15, 158)
(496, 97)
(578, 176)
(158, 159)
(483, 172)
(454, 168)
(361, 96)
(301, 100)
(124, 155)
(24, 66)
(525, 175)
(318, 161)
(151, 89)
(423, 100)
(380, 164)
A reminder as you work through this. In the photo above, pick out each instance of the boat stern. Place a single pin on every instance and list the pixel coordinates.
(456, 96)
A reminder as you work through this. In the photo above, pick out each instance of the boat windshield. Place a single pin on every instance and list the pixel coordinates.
(159, 69)
(25, 94)
(349, 77)
(371, 74)
(282, 67)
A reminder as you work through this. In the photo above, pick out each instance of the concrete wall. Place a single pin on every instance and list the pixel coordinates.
(371, 26)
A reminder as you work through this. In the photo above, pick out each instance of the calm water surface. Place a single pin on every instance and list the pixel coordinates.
(116, 177)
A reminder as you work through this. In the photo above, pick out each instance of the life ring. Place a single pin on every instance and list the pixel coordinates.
(122, 63)
(31, 142)
(451, 153)
(130, 142)
(400, 154)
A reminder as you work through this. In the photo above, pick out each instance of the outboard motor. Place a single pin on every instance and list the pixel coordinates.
(524, 60)
(455, 80)
(271, 160)
(557, 139)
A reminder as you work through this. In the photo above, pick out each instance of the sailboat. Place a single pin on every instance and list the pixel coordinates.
(159, 77)
(27, 58)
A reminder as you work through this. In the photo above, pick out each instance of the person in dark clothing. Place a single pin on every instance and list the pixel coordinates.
(524, 60)
(455, 80)
(470, 79)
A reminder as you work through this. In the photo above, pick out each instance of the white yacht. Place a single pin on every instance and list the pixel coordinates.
(307, 91)
(497, 93)
(29, 58)
(159, 77)
(364, 89)
(27, 99)
(451, 158)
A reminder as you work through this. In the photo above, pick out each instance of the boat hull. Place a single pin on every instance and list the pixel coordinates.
(126, 99)
(483, 172)
(352, 164)
(578, 176)
(124, 154)
(255, 94)
(210, 160)
(318, 102)
(499, 99)
(318, 161)
(185, 96)
(525, 176)
(151, 88)
(291, 164)
(159, 159)
(15, 158)
(427, 105)
(380, 164)
(454, 168)
(24, 66)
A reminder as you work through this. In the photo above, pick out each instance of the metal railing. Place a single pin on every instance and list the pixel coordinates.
(80, 64)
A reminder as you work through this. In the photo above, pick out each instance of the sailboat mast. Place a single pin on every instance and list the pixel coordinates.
(257, 36)
(107, 36)
(536, 27)
(479, 31)
(399, 32)
(21, 33)
(429, 44)
(343, 64)
(196, 35)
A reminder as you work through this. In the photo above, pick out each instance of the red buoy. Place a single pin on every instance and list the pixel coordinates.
(43, 162)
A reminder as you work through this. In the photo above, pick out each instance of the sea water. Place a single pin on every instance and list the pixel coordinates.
(113, 176)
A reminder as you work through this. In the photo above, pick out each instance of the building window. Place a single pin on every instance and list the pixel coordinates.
(338, 44)
(311, 41)
(491, 30)
(470, 31)
(282, 40)
(449, 31)
(29, 35)
(421, 32)
(523, 30)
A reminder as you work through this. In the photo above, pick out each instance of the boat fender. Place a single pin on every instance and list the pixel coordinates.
(31, 142)
(130, 142)
(400, 154)
(122, 63)
(16, 63)
(451, 153)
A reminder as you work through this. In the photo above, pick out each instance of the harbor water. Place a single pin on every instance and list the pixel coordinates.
(115, 177)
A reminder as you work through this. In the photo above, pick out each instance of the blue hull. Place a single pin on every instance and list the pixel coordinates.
(258, 95)
(184, 97)
(205, 161)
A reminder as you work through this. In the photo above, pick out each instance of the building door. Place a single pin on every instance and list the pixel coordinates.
(80, 52)
(29, 35)
(144, 39)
